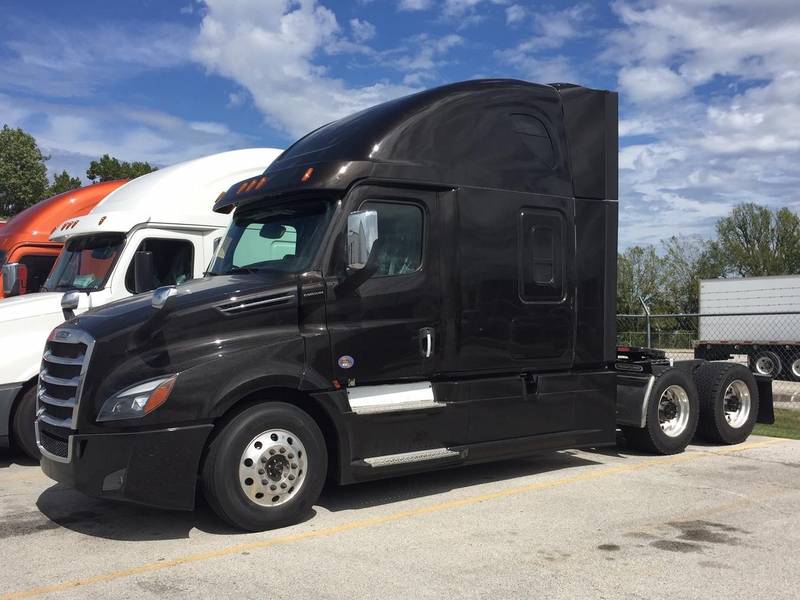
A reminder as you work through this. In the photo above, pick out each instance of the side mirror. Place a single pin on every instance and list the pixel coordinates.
(143, 271)
(362, 233)
(15, 279)
(69, 304)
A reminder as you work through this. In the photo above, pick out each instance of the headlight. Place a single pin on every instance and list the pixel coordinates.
(138, 400)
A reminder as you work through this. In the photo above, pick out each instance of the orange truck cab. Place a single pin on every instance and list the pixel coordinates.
(26, 252)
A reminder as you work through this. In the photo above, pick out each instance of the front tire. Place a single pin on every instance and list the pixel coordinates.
(728, 402)
(22, 425)
(266, 467)
(672, 415)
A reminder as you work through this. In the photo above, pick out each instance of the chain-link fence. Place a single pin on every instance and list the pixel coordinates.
(769, 343)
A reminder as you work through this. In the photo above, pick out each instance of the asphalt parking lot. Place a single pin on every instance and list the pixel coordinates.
(713, 522)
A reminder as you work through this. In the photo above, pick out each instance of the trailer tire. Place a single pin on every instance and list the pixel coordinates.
(22, 428)
(266, 467)
(672, 415)
(766, 362)
(728, 402)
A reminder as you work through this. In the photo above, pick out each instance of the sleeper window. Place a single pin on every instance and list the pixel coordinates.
(399, 235)
(541, 247)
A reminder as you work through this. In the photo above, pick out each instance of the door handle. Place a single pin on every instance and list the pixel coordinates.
(426, 342)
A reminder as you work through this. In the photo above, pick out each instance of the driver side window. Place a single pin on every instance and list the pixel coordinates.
(400, 231)
(173, 262)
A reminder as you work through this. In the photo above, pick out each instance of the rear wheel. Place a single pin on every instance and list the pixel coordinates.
(22, 425)
(728, 402)
(672, 413)
(766, 362)
(794, 367)
(266, 467)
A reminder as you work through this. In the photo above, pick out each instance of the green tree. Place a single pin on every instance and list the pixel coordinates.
(63, 182)
(108, 168)
(754, 240)
(639, 272)
(687, 260)
(23, 175)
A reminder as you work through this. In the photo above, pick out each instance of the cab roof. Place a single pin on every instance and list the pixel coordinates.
(182, 194)
(556, 139)
(34, 224)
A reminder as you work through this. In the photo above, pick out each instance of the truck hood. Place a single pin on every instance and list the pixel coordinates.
(30, 305)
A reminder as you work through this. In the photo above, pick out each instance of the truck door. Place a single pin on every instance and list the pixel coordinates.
(385, 332)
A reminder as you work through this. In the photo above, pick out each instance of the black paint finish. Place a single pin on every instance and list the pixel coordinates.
(517, 183)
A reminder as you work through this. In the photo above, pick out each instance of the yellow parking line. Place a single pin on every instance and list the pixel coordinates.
(363, 523)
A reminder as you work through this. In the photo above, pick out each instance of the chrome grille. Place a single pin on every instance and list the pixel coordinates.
(64, 363)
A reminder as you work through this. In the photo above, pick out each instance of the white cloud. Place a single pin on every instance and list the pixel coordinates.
(413, 5)
(272, 49)
(57, 61)
(362, 30)
(73, 135)
(515, 14)
(652, 84)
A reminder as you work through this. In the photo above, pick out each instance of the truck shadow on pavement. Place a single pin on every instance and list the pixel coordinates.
(10, 457)
(61, 506)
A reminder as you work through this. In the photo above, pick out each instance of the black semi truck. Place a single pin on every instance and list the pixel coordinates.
(424, 284)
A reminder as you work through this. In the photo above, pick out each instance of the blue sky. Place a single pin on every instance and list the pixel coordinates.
(710, 89)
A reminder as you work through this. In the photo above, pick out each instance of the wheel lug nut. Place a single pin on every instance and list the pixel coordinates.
(264, 481)
(291, 477)
(263, 459)
(294, 465)
(283, 450)
(261, 471)
(273, 487)
(283, 486)
(290, 455)
(272, 450)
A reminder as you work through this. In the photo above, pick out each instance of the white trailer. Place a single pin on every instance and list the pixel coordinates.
(758, 317)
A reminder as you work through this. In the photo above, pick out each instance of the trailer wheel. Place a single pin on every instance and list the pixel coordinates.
(794, 368)
(766, 362)
(672, 414)
(22, 427)
(728, 402)
(266, 467)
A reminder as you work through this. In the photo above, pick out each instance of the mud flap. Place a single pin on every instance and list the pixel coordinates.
(766, 410)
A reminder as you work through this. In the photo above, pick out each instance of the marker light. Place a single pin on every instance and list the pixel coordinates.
(261, 183)
(307, 175)
(138, 400)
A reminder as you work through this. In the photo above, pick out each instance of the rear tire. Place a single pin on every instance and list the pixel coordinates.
(266, 467)
(766, 362)
(22, 425)
(672, 415)
(728, 402)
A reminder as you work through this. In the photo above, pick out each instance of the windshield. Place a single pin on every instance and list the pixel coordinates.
(85, 263)
(279, 238)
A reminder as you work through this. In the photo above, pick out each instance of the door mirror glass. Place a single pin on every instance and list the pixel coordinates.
(362, 232)
(15, 279)
(143, 272)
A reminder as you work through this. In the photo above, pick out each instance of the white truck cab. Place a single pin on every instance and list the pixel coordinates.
(156, 230)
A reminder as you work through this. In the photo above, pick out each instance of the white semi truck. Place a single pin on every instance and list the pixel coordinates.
(156, 230)
(758, 317)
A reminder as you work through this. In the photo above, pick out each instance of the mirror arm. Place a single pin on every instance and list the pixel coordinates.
(357, 278)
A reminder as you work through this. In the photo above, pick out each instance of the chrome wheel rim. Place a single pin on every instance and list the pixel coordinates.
(796, 368)
(273, 467)
(673, 411)
(765, 365)
(737, 403)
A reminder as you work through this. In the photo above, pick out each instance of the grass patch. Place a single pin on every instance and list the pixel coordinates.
(787, 425)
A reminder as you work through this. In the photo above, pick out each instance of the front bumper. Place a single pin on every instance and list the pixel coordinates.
(155, 468)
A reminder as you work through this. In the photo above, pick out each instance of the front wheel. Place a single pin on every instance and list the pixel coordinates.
(22, 425)
(266, 467)
(672, 414)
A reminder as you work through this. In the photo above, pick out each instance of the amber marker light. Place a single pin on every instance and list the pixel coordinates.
(307, 175)
(261, 183)
(159, 395)
(242, 186)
